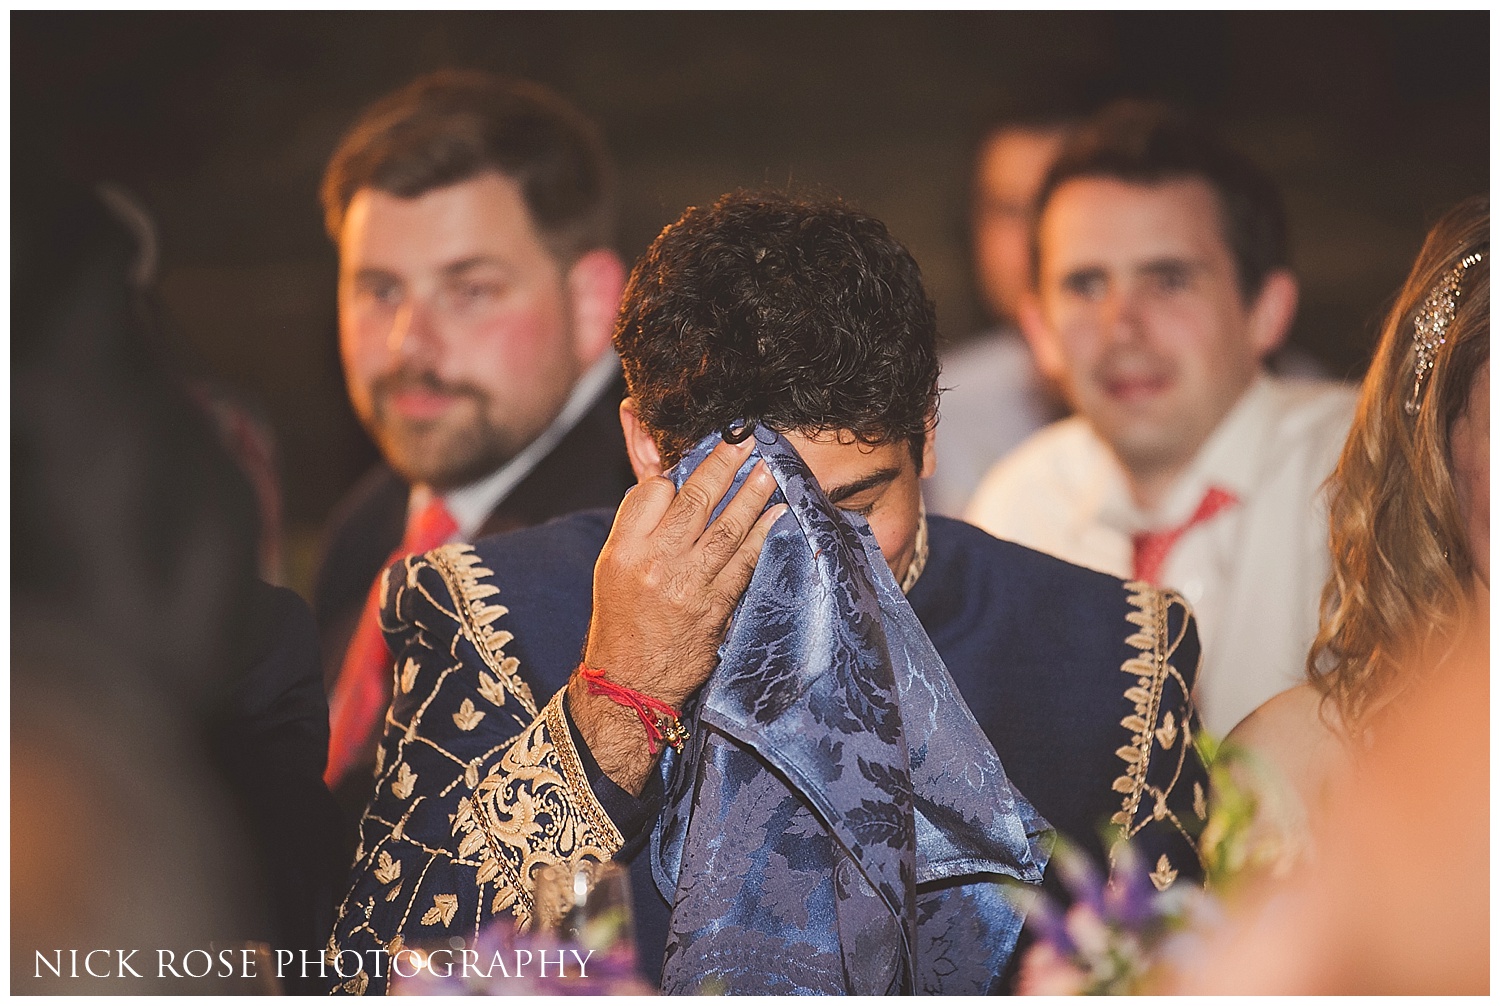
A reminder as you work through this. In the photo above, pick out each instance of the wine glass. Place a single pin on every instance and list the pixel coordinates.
(583, 908)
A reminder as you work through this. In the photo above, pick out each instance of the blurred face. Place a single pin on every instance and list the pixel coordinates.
(1143, 321)
(1011, 167)
(879, 483)
(454, 327)
(1469, 445)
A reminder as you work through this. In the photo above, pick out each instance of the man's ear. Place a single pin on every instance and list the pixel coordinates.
(1272, 312)
(1045, 346)
(645, 459)
(595, 283)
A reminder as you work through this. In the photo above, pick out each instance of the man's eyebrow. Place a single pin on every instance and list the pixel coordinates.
(1169, 263)
(878, 478)
(463, 265)
(366, 273)
(1082, 273)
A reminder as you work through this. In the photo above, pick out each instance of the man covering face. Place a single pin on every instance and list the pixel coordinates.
(807, 325)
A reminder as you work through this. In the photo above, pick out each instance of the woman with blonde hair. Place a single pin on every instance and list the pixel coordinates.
(1409, 524)
(1377, 845)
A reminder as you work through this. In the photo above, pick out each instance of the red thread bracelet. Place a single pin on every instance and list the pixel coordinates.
(660, 720)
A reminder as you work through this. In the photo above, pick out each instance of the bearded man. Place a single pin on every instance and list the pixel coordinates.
(477, 288)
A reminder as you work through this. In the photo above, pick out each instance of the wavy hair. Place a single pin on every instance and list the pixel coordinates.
(1402, 565)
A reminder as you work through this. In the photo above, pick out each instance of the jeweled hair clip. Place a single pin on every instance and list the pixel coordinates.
(1431, 328)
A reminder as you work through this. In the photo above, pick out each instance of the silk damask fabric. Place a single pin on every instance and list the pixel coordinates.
(838, 823)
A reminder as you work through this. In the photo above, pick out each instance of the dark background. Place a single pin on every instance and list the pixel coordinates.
(221, 123)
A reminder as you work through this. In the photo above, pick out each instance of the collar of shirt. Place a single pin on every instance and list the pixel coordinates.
(470, 505)
(1231, 459)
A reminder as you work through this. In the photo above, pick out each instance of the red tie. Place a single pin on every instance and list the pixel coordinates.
(1151, 547)
(363, 689)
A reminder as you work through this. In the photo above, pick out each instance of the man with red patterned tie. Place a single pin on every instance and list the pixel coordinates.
(1162, 285)
(477, 292)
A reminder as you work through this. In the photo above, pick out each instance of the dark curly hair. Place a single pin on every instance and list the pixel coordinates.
(806, 316)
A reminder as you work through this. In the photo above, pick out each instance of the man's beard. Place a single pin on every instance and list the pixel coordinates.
(452, 450)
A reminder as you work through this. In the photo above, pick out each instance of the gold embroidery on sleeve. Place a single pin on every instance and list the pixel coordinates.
(1167, 732)
(499, 816)
(491, 688)
(406, 781)
(467, 717)
(578, 781)
(532, 808)
(389, 869)
(444, 906)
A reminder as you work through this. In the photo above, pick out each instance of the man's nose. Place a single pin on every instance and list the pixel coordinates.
(413, 333)
(1120, 316)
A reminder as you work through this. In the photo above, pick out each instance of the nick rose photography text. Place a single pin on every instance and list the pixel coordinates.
(246, 962)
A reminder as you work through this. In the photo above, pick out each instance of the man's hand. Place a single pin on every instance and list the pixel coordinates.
(665, 586)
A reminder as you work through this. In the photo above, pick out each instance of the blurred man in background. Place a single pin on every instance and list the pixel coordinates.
(477, 291)
(995, 396)
(1163, 284)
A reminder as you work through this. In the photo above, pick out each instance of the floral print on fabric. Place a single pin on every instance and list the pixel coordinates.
(838, 822)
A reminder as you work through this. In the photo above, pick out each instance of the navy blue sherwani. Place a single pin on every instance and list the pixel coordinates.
(1080, 681)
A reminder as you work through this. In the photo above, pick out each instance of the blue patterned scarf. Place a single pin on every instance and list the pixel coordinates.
(838, 822)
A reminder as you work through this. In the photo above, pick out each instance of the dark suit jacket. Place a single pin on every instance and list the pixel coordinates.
(1080, 681)
(587, 469)
(268, 739)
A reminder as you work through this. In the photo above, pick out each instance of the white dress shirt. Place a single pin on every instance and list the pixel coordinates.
(472, 504)
(1253, 573)
(993, 398)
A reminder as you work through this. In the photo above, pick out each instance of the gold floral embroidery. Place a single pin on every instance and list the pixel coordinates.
(444, 907)
(458, 564)
(1149, 725)
(1167, 732)
(577, 779)
(1163, 875)
(467, 717)
(491, 688)
(501, 815)
(389, 869)
(532, 808)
